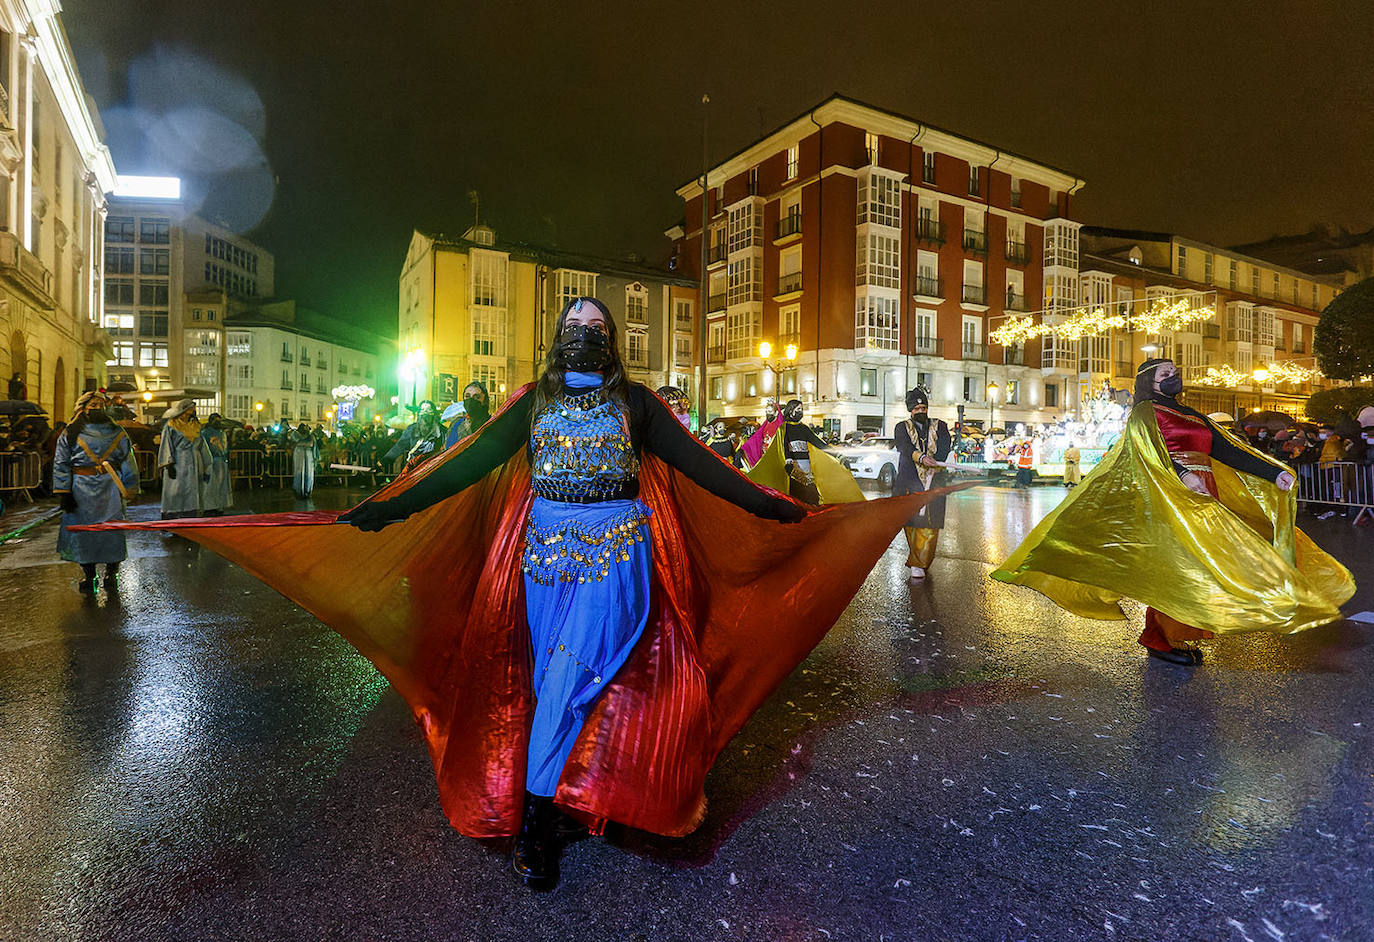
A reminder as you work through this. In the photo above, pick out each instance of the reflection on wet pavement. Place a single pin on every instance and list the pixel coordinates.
(194, 757)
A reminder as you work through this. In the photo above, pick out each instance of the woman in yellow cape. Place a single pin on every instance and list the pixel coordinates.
(1189, 520)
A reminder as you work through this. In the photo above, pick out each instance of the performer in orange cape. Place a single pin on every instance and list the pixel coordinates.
(585, 638)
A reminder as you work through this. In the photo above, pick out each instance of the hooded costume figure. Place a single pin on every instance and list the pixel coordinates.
(93, 473)
(920, 443)
(554, 600)
(422, 438)
(219, 493)
(184, 460)
(476, 413)
(1189, 520)
(305, 453)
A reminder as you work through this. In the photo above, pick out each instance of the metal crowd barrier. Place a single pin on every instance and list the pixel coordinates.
(20, 471)
(245, 464)
(1340, 486)
(276, 464)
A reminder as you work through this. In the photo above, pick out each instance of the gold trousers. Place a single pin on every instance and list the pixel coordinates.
(921, 542)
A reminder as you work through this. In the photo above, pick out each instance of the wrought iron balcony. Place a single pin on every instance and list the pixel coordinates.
(715, 254)
(1016, 302)
(790, 283)
(716, 302)
(930, 230)
(927, 287)
(286, 384)
(287, 356)
(928, 346)
(1014, 356)
(975, 294)
(788, 225)
(974, 351)
(1018, 253)
(715, 354)
(975, 241)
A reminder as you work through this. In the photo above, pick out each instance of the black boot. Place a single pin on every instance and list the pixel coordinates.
(111, 570)
(87, 584)
(1189, 657)
(536, 850)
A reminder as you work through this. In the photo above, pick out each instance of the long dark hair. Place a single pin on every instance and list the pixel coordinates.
(614, 387)
(1145, 379)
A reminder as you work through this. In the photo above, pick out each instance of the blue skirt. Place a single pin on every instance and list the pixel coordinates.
(587, 569)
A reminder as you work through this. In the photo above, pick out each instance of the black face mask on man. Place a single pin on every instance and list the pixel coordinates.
(476, 409)
(584, 347)
(1171, 385)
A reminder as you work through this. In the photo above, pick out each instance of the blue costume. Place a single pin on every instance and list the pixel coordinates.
(219, 493)
(304, 453)
(587, 567)
(79, 469)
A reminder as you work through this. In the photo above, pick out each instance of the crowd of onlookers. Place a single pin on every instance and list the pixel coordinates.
(357, 445)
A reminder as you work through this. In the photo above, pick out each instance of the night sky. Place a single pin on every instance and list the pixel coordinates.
(327, 131)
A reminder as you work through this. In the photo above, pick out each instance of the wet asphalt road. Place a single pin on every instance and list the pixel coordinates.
(200, 759)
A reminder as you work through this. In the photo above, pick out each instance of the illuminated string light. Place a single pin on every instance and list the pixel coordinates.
(1162, 316)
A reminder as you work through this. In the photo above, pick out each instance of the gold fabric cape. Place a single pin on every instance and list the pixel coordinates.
(834, 483)
(1132, 528)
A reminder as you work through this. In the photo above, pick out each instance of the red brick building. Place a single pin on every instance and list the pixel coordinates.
(886, 250)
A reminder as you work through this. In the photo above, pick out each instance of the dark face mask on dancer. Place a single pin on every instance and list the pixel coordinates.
(585, 348)
(476, 408)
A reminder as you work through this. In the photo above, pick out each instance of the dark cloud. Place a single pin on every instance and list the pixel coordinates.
(576, 121)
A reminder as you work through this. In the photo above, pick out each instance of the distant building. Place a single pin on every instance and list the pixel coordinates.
(56, 171)
(886, 250)
(300, 366)
(1265, 315)
(170, 279)
(476, 308)
(1326, 252)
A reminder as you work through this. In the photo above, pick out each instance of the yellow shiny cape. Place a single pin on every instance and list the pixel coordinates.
(1132, 528)
(834, 483)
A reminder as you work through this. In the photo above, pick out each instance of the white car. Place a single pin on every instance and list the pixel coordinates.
(873, 460)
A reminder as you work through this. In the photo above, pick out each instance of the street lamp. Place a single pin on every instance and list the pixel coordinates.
(992, 405)
(777, 367)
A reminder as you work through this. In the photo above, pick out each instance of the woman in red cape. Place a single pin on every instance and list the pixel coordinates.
(437, 602)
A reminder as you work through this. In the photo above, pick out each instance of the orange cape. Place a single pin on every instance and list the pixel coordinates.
(437, 604)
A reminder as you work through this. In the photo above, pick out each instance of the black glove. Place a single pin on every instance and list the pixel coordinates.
(68, 503)
(373, 515)
(171, 470)
(788, 511)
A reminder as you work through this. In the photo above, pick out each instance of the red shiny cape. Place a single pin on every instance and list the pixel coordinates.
(437, 604)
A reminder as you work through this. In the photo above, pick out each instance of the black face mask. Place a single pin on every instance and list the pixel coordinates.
(792, 414)
(920, 418)
(476, 408)
(584, 348)
(1172, 386)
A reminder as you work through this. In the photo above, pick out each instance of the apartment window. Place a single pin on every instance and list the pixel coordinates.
(1016, 193)
(1254, 281)
(717, 387)
(488, 332)
(715, 338)
(753, 181)
(789, 325)
(793, 161)
(974, 389)
(1298, 346)
(1265, 327)
(925, 331)
(123, 352)
(1207, 268)
(119, 261)
(1295, 291)
(682, 315)
(154, 261)
(742, 280)
(787, 383)
(119, 291)
(871, 146)
(119, 228)
(305, 383)
(975, 180)
(875, 322)
(742, 333)
(879, 262)
(880, 199)
(925, 380)
(152, 323)
(682, 349)
(1051, 396)
(1240, 322)
(155, 231)
(745, 228)
(119, 324)
(868, 382)
(928, 167)
(240, 344)
(488, 277)
(1235, 275)
(637, 304)
(637, 347)
(1275, 292)
(1182, 262)
(569, 284)
(152, 354)
(152, 294)
(1013, 392)
(751, 384)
